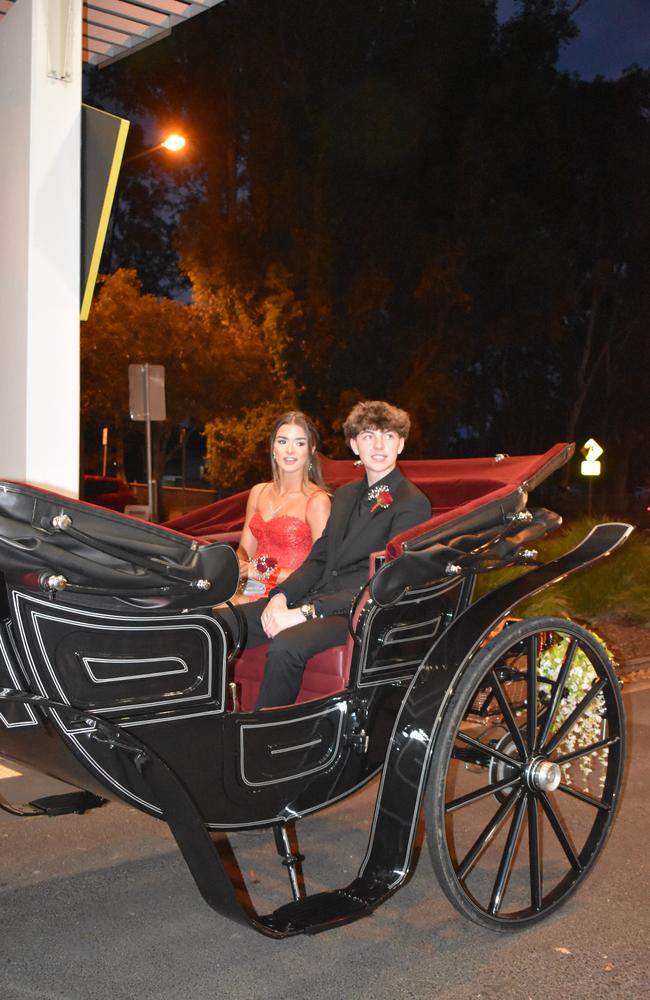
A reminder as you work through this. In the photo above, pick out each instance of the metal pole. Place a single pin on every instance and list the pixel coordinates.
(183, 437)
(147, 416)
(105, 447)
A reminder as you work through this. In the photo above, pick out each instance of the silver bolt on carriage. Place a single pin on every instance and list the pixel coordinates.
(118, 678)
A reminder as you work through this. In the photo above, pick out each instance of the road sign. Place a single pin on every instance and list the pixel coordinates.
(147, 402)
(592, 452)
(147, 392)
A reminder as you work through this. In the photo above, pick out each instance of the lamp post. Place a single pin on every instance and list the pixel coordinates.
(173, 143)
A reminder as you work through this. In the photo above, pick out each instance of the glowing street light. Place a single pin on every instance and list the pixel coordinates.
(173, 142)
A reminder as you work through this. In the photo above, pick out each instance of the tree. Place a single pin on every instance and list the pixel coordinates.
(437, 215)
(264, 320)
(557, 252)
(215, 364)
(609, 263)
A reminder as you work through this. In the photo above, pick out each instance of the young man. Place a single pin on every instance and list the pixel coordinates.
(308, 611)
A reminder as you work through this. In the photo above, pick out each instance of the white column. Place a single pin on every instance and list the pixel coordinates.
(40, 176)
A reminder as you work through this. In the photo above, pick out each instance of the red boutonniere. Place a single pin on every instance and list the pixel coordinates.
(382, 496)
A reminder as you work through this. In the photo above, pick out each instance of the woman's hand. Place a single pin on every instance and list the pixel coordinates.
(244, 560)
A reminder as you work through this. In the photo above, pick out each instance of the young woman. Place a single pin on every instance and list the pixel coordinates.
(284, 517)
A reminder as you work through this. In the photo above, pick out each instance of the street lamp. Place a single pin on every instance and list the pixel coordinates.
(173, 142)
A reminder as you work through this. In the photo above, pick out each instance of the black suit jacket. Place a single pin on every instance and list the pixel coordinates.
(337, 565)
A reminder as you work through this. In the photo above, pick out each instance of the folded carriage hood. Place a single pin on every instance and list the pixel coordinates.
(45, 537)
(498, 486)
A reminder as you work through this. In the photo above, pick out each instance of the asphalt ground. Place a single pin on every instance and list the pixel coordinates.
(102, 907)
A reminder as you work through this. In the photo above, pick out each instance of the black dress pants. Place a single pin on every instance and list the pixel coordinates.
(289, 651)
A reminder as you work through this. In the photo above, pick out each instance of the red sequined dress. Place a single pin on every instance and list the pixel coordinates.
(285, 538)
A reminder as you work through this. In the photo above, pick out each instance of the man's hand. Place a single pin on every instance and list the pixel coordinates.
(277, 616)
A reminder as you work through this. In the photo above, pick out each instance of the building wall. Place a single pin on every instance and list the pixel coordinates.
(40, 121)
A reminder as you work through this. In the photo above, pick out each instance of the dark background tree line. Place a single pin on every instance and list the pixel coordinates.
(384, 198)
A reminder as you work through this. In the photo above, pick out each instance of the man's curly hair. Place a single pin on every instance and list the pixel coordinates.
(375, 415)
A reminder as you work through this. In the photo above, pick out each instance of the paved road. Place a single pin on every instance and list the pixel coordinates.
(102, 906)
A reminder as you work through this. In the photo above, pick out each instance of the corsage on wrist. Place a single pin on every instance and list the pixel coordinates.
(266, 568)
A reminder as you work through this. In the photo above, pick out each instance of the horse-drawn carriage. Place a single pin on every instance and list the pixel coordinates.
(117, 677)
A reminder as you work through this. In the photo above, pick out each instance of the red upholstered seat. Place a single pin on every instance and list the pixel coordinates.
(325, 673)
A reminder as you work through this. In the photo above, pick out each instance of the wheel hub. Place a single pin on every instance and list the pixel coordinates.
(543, 775)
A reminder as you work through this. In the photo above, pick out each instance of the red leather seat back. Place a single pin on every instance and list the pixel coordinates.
(325, 673)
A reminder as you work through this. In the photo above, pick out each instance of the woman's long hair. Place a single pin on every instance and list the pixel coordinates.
(312, 472)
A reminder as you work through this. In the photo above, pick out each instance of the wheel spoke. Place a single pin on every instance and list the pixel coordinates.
(534, 854)
(507, 858)
(531, 691)
(481, 793)
(589, 799)
(551, 712)
(485, 836)
(585, 751)
(490, 750)
(506, 710)
(558, 829)
(569, 723)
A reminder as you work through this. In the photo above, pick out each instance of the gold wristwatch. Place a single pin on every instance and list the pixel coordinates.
(308, 611)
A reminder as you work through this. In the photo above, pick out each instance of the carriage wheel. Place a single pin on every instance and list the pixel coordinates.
(526, 773)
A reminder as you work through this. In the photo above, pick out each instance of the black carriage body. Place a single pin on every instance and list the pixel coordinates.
(160, 670)
(163, 677)
(115, 673)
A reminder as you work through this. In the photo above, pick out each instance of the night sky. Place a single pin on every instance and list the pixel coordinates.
(613, 35)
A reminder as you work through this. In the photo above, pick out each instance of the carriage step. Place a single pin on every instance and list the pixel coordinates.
(69, 802)
(318, 912)
(55, 805)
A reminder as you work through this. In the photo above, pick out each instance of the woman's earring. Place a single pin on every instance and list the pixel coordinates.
(311, 467)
